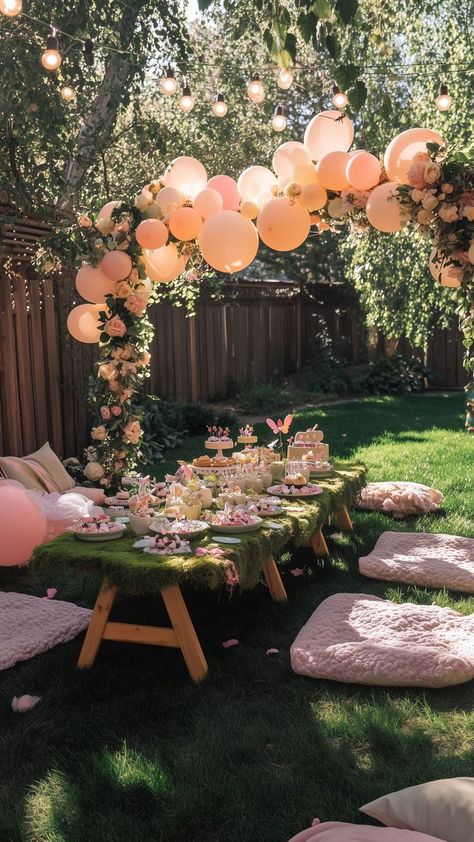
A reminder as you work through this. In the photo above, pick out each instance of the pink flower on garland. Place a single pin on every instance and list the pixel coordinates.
(105, 413)
(132, 432)
(116, 410)
(115, 327)
(136, 304)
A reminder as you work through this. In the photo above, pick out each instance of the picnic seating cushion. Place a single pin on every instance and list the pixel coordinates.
(443, 807)
(400, 499)
(344, 832)
(41, 470)
(420, 558)
(361, 639)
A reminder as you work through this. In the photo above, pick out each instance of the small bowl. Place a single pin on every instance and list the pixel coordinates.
(139, 524)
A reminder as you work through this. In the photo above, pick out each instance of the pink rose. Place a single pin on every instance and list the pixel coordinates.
(132, 432)
(114, 385)
(449, 213)
(105, 413)
(145, 360)
(122, 289)
(126, 395)
(446, 187)
(85, 221)
(429, 202)
(432, 172)
(115, 327)
(99, 433)
(136, 304)
(116, 410)
(416, 170)
(468, 213)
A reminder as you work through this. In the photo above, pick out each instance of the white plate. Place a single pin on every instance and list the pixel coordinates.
(270, 525)
(203, 527)
(226, 540)
(236, 530)
(99, 536)
(273, 490)
(277, 511)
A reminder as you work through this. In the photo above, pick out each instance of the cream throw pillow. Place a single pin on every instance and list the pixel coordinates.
(41, 470)
(443, 808)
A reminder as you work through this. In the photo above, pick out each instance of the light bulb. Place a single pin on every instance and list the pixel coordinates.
(51, 58)
(443, 100)
(219, 107)
(285, 79)
(339, 99)
(279, 120)
(169, 84)
(67, 93)
(255, 90)
(186, 102)
(10, 7)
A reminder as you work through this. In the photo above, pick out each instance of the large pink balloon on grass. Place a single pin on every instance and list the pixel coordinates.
(187, 175)
(288, 156)
(283, 225)
(208, 202)
(22, 526)
(83, 324)
(185, 224)
(331, 170)
(117, 265)
(329, 131)
(165, 264)
(151, 234)
(384, 209)
(227, 187)
(363, 171)
(228, 241)
(93, 285)
(254, 182)
(402, 149)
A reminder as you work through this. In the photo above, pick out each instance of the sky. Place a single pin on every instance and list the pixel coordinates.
(192, 9)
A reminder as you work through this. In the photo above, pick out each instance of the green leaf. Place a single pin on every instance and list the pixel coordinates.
(307, 25)
(268, 39)
(284, 16)
(204, 4)
(333, 46)
(290, 46)
(346, 74)
(357, 95)
(322, 9)
(346, 9)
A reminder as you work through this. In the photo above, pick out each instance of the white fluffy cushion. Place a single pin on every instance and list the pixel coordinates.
(361, 639)
(419, 558)
(399, 499)
(444, 808)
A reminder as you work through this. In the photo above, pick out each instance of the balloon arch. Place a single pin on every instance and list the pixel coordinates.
(183, 218)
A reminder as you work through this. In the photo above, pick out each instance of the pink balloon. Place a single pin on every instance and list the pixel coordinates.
(22, 526)
(288, 156)
(403, 148)
(331, 170)
(228, 241)
(187, 175)
(117, 265)
(105, 212)
(227, 187)
(151, 234)
(208, 202)
(93, 285)
(283, 225)
(185, 224)
(168, 200)
(363, 171)
(165, 264)
(82, 322)
(384, 210)
(445, 273)
(328, 132)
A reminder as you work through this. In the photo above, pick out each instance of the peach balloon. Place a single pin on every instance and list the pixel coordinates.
(185, 224)
(92, 284)
(445, 273)
(83, 322)
(208, 202)
(254, 181)
(228, 241)
(384, 210)
(151, 234)
(187, 175)
(288, 156)
(169, 199)
(313, 197)
(105, 212)
(331, 170)
(117, 265)
(249, 209)
(153, 211)
(22, 526)
(283, 225)
(328, 132)
(305, 174)
(402, 149)
(470, 252)
(165, 264)
(335, 208)
(363, 171)
(227, 187)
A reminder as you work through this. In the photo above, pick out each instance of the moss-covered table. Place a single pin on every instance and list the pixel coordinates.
(134, 572)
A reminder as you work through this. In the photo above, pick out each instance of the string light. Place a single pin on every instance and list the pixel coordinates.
(219, 107)
(255, 89)
(186, 102)
(67, 93)
(443, 100)
(10, 8)
(51, 58)
(88, 52)
(284, 79)
(169, 84)
(339, 98)
(279, 120)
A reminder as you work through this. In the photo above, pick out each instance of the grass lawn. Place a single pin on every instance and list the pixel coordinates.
(132, 751)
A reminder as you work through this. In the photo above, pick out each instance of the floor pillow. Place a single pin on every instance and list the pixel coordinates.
(41, 470)
(444, 808)
(343, 832)
(400, 499)
(361, 639)
(419, 558)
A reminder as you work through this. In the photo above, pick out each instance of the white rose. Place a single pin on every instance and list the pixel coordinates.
(449, 213)
(432, 172)
(429, 202)
(105, 226)
(417, 195)
(141, 202)
(99, 433)
(93, 471)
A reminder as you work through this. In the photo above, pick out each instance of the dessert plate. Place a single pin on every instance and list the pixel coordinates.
(100, 536)
(185, 529)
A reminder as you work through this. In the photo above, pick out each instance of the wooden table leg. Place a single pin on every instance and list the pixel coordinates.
(98, 622)
(343, 519)
(318, 544)
(187, 638)
(273, 580)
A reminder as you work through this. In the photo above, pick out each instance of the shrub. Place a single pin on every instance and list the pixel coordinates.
(193, 418)
(266, 397)
(396, 375)
(158, 435)
(326, 371)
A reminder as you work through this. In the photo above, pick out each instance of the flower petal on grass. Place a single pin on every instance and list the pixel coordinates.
(231, 642)
(51, 593)
(272, 651)
(21, 704)
(297, 571)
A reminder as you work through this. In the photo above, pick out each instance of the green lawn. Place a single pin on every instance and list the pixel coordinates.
(132, 751)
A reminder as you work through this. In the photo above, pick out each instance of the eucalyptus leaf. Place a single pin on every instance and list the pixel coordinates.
(357, 95)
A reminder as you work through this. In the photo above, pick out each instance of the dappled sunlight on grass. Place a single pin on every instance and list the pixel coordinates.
(52, 809)
(128, 768)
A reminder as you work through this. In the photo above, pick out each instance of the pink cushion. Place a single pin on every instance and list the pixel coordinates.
(343, 832)
(361, 639)
(418, 558)
(399, 499)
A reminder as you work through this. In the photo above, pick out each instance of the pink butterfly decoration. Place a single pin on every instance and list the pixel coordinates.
(280, 426)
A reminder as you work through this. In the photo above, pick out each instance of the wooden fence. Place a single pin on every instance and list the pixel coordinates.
(257, 330)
